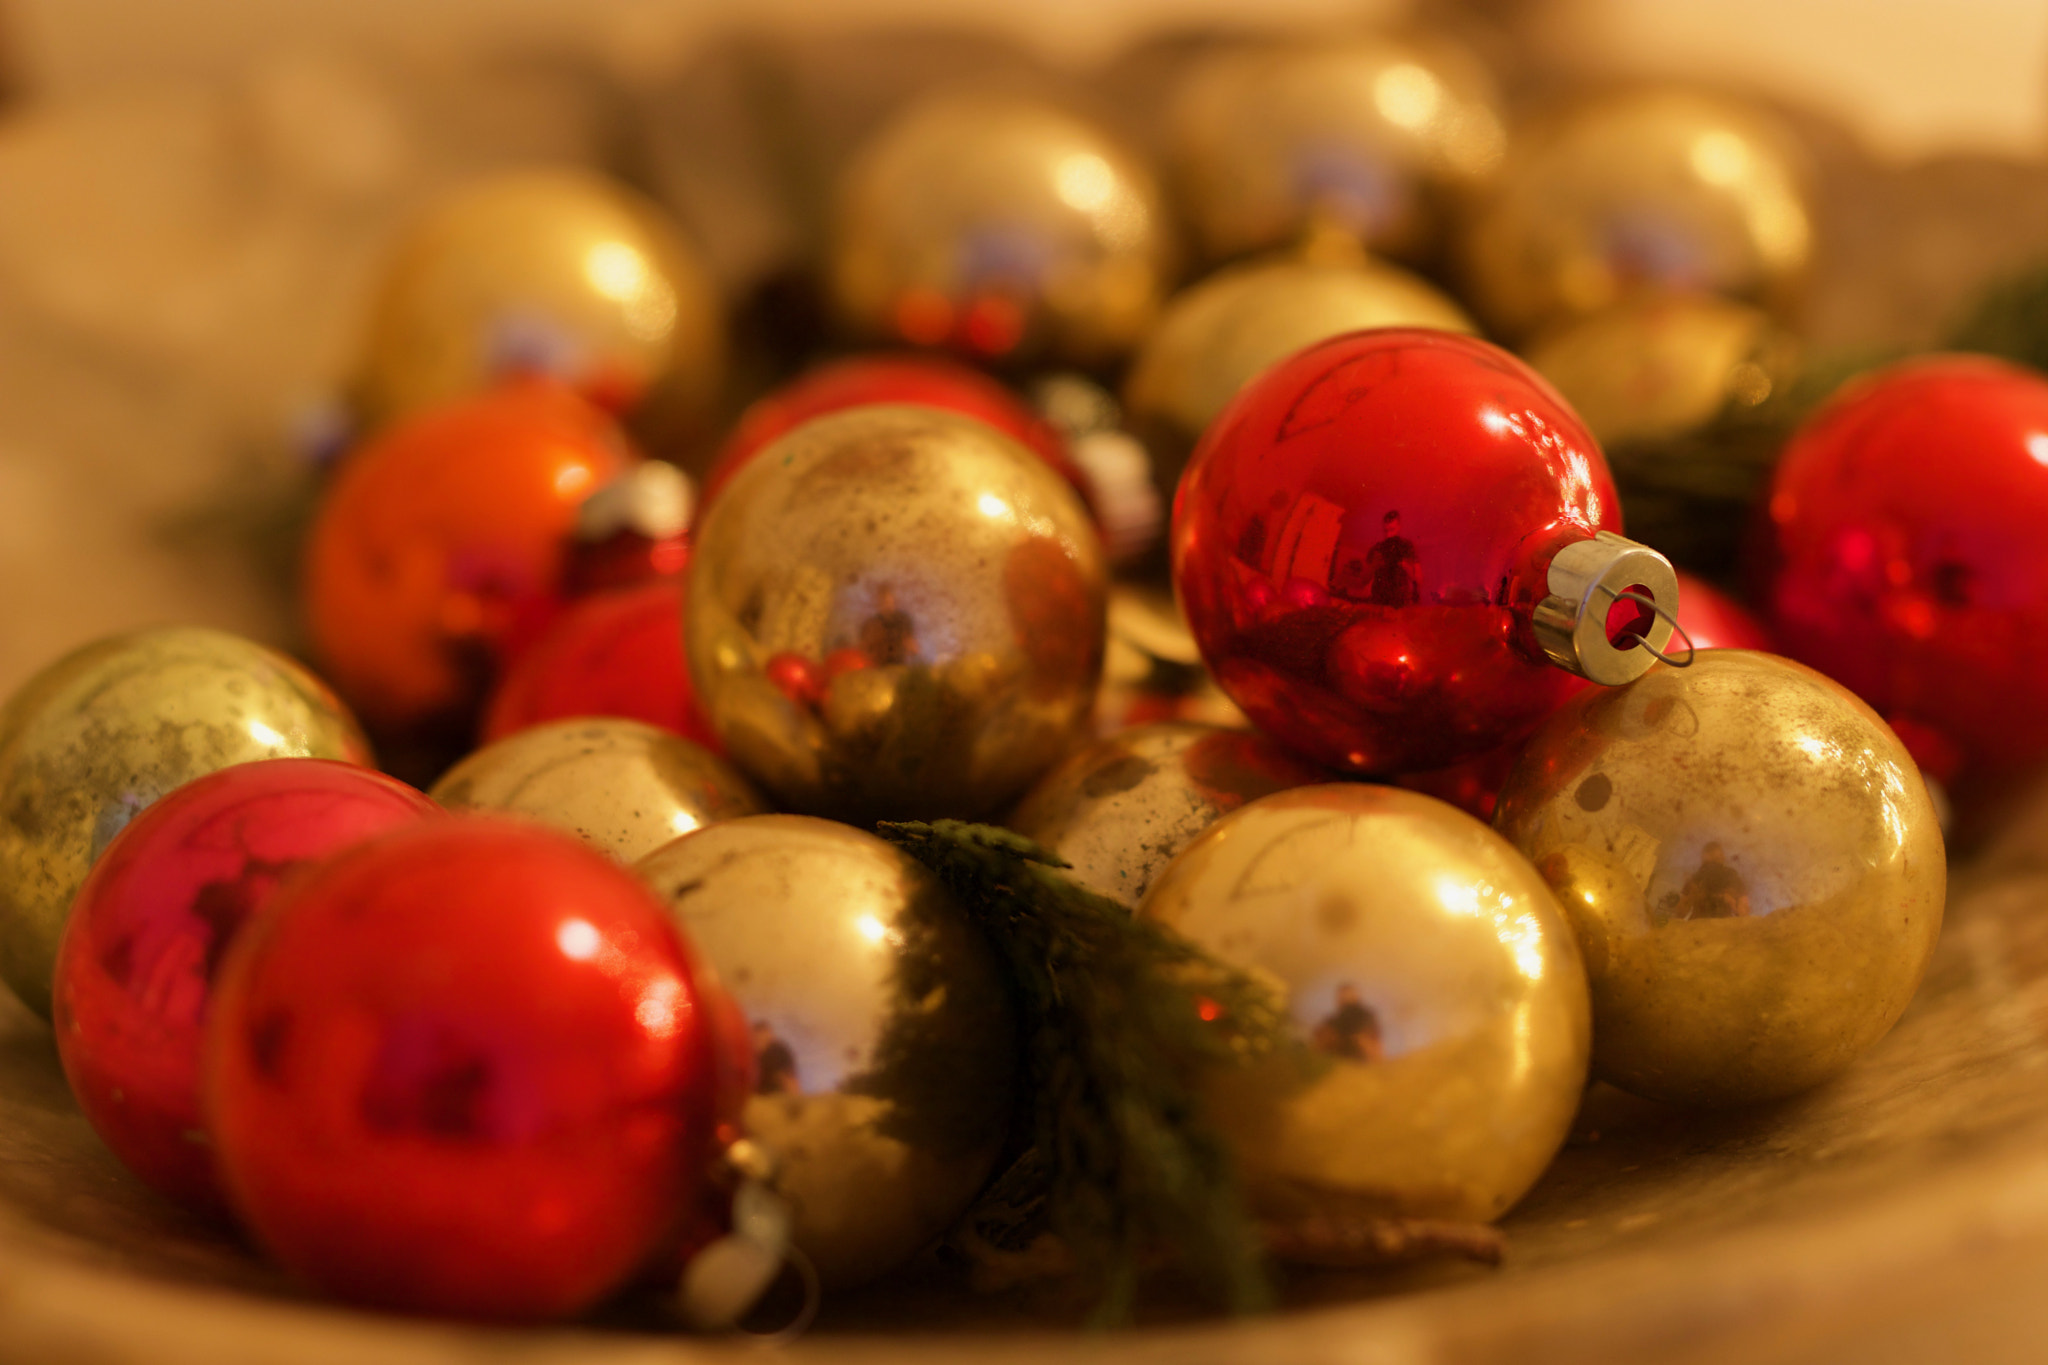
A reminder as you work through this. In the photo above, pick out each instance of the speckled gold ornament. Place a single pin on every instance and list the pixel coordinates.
(1121, 809)
(1752, 866)
(1440, 1000)
(1659, 189)
(896, 613)
(1001, 226)
(884, 1039)
(100, 734)
(1370, 137)
(1217, 335)
(554, 270)
(619, 785)
(1654, 369)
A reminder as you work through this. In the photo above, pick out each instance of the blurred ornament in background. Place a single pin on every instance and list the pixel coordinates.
(1902, 554)
(1710, 619)
(632, 529)
(623, 787)
(1752, 865)
(1436, 992)
(1152, 670)
(1115, 473)
(896, 613)
(557, 272)
(1372, 138)
(1654, 190)
(1120, 810)
(1003, 227)
(441, 547)
(100, 734)
(1216, 335)
(883, 1033)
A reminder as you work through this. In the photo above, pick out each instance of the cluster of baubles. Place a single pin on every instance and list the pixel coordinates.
(487, 1050)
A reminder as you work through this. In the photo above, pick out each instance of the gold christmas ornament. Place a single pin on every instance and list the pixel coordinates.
(1440, 1000)
(884, 1040)
(1370, 138)
(1752, 866)
(621, 786)
(1659, 189)
(1121, 809)
(1217, 335)
(559, 271)
(896, 613)
(106, 730)
(1001, 226)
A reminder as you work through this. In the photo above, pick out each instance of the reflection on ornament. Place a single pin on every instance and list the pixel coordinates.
(621, 786)
(1440, 1002)
(103, 732)
(1752, 866)
(1000, 226)
(883, 1034)
(896, 613)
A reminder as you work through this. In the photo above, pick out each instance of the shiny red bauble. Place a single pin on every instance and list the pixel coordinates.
(1903, 554)
(617, 653)
(469, 1068)
(1363, 534)
(1711, 619)
(927, 381)
(149, 928)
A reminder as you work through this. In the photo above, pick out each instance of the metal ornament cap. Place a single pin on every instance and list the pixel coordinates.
(1587, 580)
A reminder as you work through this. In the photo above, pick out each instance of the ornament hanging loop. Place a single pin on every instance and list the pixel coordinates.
(1691, 649)
(1585, 580)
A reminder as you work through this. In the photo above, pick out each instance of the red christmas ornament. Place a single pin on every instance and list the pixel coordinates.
(617, 653)
(1903, 556)
(1711, 619)
(1388, 540)
(634, 528)
(924, 380)
(148, 929)
(469, 1068)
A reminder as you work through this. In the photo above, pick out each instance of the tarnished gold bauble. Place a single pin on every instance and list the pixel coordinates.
(896, 613)
(1121, 809)
(1659, 189)
(100, 734)
(1440, 1001)
(1001, 226)
(884, 1040)
(1370, 137)
(1653, 369)
(619, 785)
(1153, 670)
(1217, 335)
(553, 270)
(1752, 866)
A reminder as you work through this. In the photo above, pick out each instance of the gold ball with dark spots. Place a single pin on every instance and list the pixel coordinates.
(1121, 809)
(884, 1039)
(1751, 863)
(622, 786)
(1438, 996)
(106, 730)
(896, 613)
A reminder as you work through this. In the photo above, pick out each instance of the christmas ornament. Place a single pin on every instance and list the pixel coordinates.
(1370, 137)
(616, 653)
(1657, 189)
(1386, 541)
(1902, 555)
(621, 786)
(1438, 1000)
(469, 1068)
(895, 611)
(1000, 226)
(883, 1036)
(1119, 810)
(1751, 864)
(632, 529)
(1152, 670)
(930, 381)
(151, 924)
(103, 732)
(1218, 334)
(553, 272)
(439, 549)
(1711, 619)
